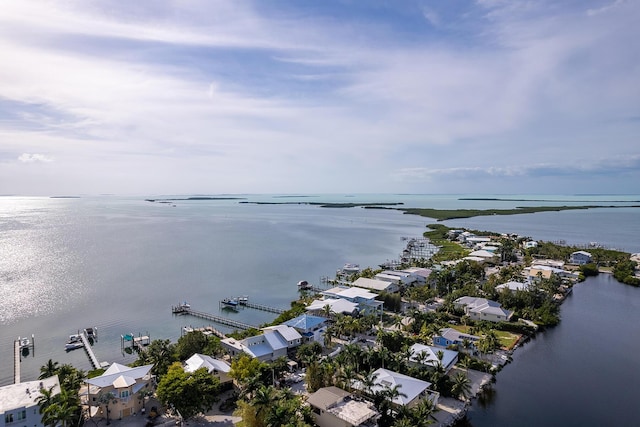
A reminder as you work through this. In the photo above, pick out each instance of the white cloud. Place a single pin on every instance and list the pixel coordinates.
(34, 158)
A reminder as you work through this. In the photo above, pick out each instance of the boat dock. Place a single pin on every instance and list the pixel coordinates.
(16, 361)
(139, 342)
(87, 348)
(18, 346)
(244, 302)
(207, 330)
(212, 317)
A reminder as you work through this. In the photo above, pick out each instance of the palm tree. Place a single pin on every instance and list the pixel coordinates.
(106, 399)
(461, 387)
(48, 370)
(262, 399)
(45, 401)
(368, 381)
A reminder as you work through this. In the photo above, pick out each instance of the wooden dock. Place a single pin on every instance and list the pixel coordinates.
(212, 317)
(16, 361)
(207, 330)
(262, 307)
(87, 348)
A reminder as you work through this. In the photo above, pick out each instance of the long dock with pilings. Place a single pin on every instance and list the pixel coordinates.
(87, 348)
(16, 361)
(218, 319)
(246, 303)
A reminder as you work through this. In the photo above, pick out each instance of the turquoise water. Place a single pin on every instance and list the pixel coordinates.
(120, 263)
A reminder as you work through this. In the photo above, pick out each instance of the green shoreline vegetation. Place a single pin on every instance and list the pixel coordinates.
(445, 214)
(261, 397)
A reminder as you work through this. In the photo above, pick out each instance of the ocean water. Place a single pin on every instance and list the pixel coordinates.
(120, 263)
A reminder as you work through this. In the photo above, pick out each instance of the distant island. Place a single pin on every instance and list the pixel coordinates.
(444, 214)
(193, 198)
(329, 205)
(491, 199)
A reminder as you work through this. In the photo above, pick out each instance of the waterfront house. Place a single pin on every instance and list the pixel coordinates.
(335, 305)
(429, 356)
(216, 367)
(412, 389)
(580, 258)
(19, 402)
(310, 327)
(487, 256)
(536, 272)
(378, 285)
(366, 301)
(421, 275)
(483, 309)
(530, 244)
(450, 336)
(334, 407)
(123, 383)
(274, 342)
(405, 278)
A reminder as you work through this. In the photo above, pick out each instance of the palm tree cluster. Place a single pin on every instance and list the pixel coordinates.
(273, 407)
(62, 409)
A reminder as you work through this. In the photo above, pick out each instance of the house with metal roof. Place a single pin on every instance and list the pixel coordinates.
(124, 383)
(334, 407)
(412, 390)
(427, 355)
(483, 309)
(216, 367)
(580, 258)
(513, 286)
(274, 342)
(310, 327)
(450, 336)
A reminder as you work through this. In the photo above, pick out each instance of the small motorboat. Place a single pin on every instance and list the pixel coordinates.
(73, 342)
(303, 285)
(243, 300)
(230, 302)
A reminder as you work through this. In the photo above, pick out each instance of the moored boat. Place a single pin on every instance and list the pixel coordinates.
(230, 302)
(303, 284)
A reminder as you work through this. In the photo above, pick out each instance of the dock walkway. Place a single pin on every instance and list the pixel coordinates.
(16, 361)
(218, 319)
(207, 330)
(262, 307)
(87, 348)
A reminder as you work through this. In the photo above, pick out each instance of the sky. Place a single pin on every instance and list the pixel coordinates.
(380, 96)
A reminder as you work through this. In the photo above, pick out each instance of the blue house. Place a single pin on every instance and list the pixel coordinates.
(580, 258)
(450, 336)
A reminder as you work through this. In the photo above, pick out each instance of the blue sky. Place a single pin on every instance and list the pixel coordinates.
(432, 96)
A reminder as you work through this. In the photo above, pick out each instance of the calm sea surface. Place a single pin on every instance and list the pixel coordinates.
(120, 263)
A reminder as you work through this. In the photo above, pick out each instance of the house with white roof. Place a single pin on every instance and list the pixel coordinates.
(483, 309)
(412, 389)
(580, 258)
(334, 407)
(513, 286)
(366, 300)
(420, 274)
(487, 256)
(427, 355)
(19, 402)
(124, 382)
(216, 367)
(336, 305)
(274, 342)
(390, 285)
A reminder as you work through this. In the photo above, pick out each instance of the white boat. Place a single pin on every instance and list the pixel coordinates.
(73, 345)
(243, 300)
(24, 342)
(351, 268)
(73, 342)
